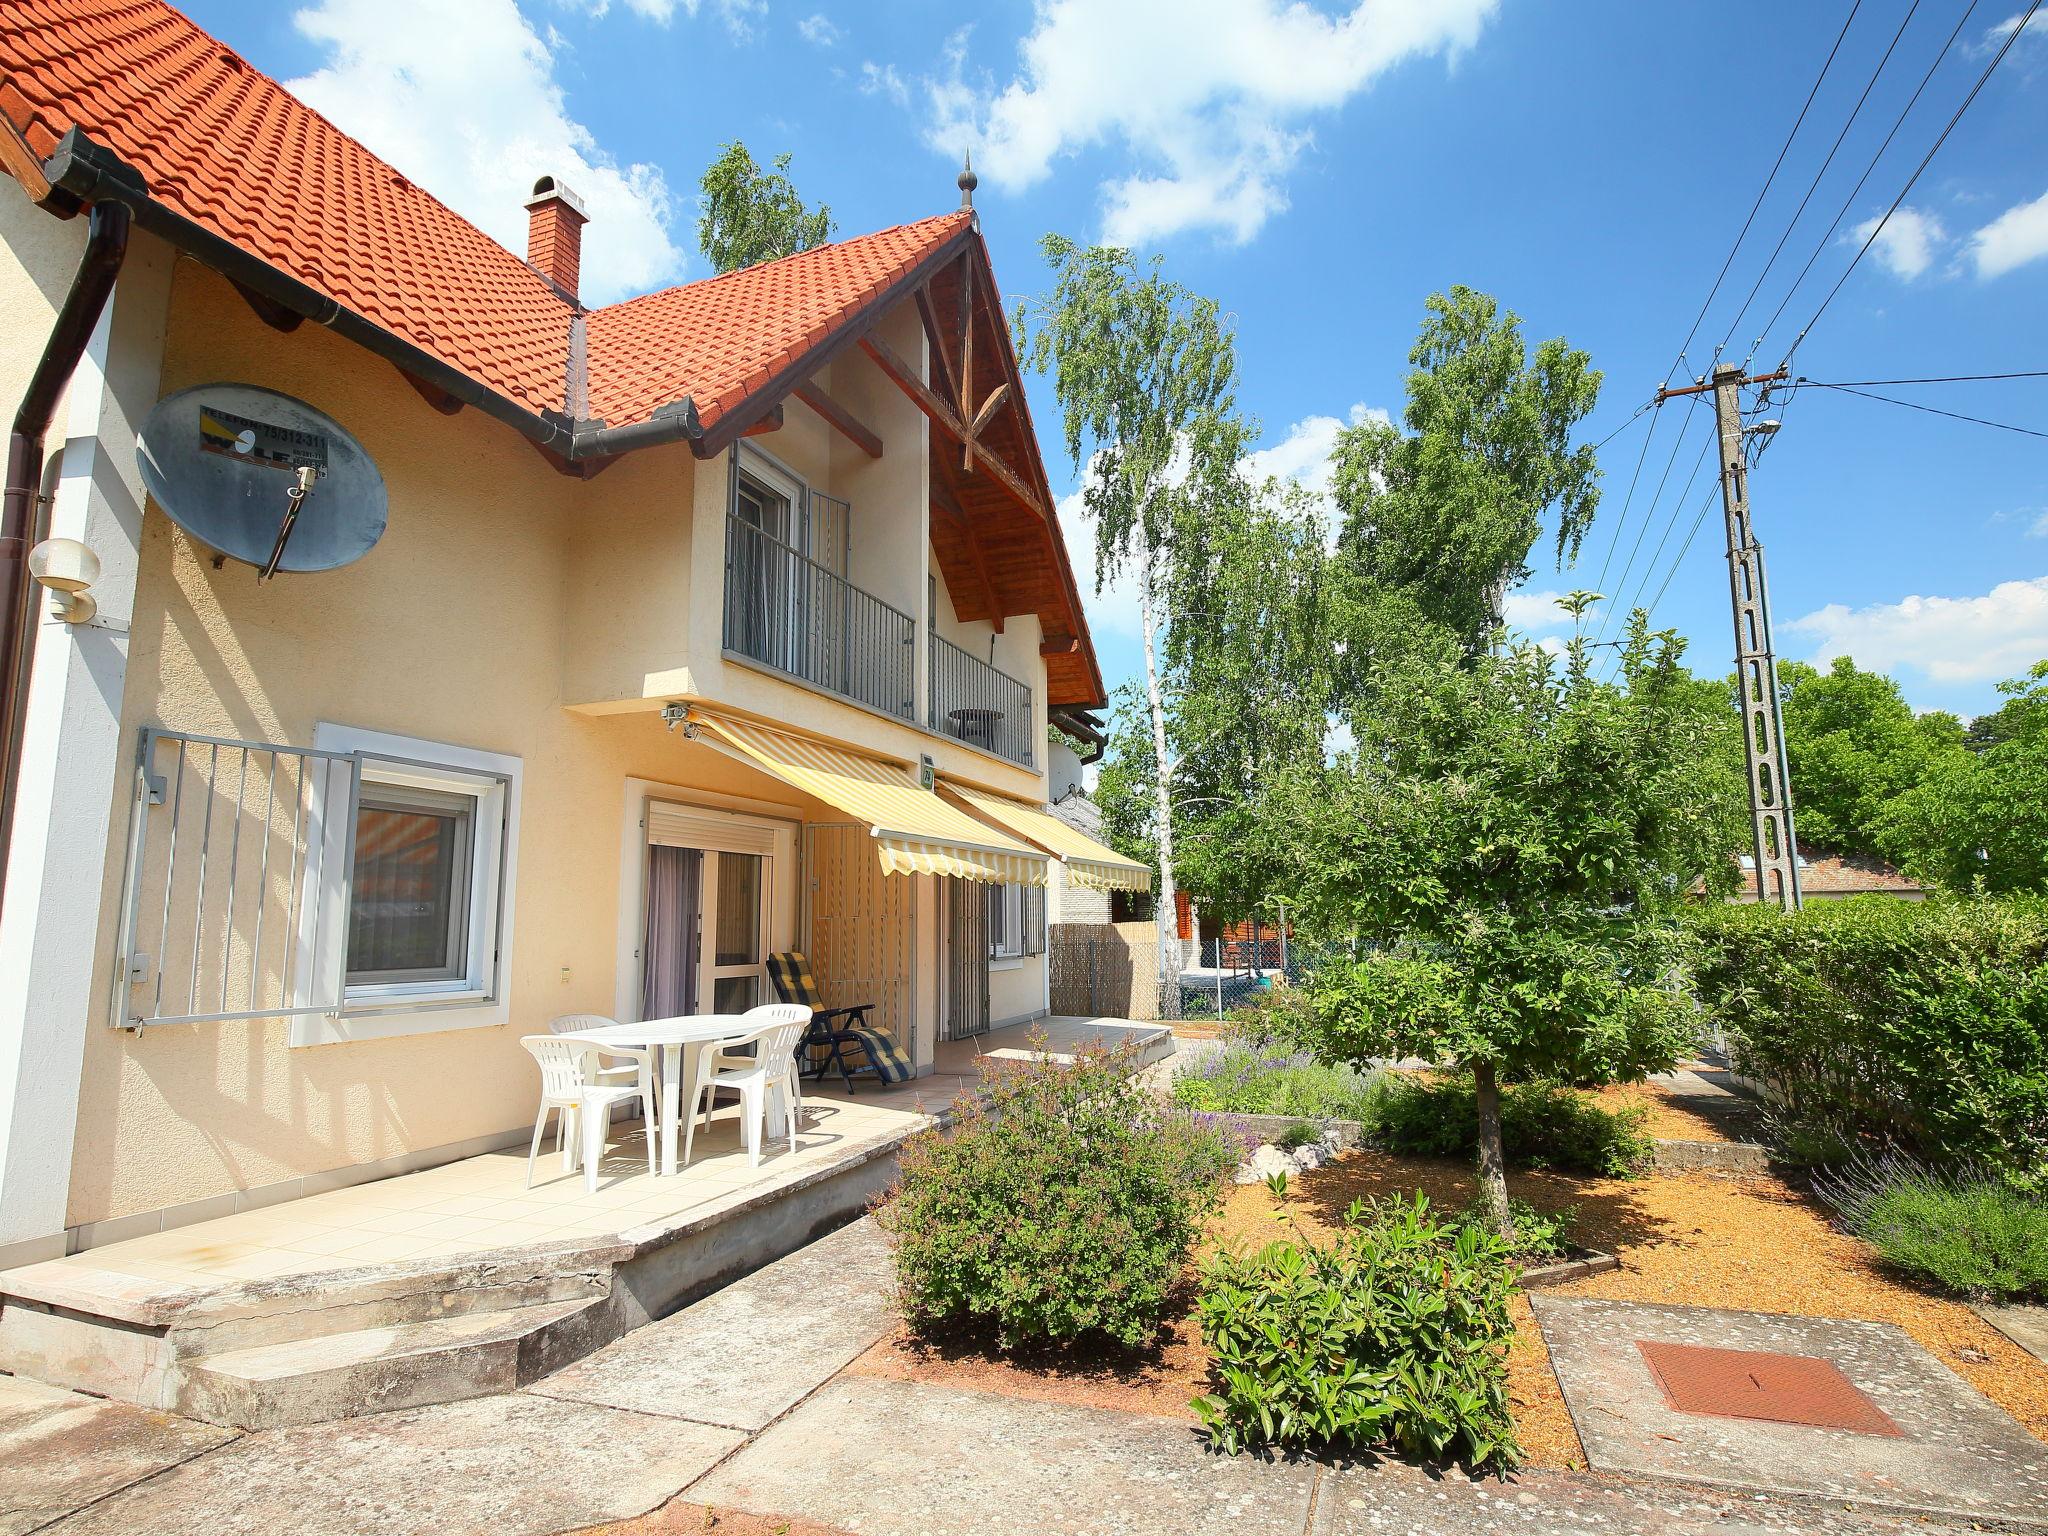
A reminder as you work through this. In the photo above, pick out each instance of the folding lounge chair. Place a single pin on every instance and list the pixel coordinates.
(838, 1039)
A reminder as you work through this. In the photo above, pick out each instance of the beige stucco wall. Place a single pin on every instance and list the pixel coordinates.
(501, 591)
(37, 263)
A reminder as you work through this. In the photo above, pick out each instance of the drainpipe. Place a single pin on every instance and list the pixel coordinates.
(21, 517)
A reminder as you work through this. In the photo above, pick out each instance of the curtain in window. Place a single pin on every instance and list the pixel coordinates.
(668, 969)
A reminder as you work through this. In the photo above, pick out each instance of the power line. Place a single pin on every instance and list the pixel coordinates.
(1622, 519)
(1914, 405)
(2004, 48)
(1953, 378)
(1848, 202)
(1783, 150)
(1610, 437)
(1814, 186)
(1650, 515)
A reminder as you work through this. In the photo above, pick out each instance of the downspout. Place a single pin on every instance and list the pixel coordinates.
(106, 245)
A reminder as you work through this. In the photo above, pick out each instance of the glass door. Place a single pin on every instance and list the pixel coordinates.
(736, 902)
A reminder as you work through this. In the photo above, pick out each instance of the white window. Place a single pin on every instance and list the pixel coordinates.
(1016, 921)
(409, 898)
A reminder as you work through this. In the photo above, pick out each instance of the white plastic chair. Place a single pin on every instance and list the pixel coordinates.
(583, 1023)
(773, 1032)
(569, 1086)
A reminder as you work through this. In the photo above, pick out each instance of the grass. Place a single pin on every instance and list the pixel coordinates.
(1965, 1232)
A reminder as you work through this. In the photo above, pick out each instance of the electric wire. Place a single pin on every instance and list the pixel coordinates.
(1914, 405)
(1650, 514)
(1953, 378)
(1814, 186)
(1622, 519)
(2004, 48)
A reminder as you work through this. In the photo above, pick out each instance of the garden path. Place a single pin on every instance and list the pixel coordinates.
(731, 1406)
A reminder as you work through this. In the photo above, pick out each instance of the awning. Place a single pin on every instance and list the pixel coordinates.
(915, 832)
(1088, 862)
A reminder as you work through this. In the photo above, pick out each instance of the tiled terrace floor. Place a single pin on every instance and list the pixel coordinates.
(483, 1205)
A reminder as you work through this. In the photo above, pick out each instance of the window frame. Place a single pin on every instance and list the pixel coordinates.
(1010, 906)
(479, 997)
(464, 808)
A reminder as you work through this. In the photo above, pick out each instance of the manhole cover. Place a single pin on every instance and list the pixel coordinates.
(1751, 1384)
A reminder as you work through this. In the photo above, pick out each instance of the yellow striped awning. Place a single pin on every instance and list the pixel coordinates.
(915, 832)
(1088, 862)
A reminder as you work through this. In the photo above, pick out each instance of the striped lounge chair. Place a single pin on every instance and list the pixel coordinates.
(838, 1038)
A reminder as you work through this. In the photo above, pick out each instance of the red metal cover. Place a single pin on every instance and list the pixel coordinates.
(1754, 1384)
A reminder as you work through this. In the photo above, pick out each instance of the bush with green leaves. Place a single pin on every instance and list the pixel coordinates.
(1541, 1237)
(1921, 1025)
(1543, 1125)
(1965, 1231)
(1247, 1080)
(1066, 1207)
(1394, 1333)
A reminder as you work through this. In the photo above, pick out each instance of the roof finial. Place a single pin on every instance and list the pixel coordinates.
(968, 182)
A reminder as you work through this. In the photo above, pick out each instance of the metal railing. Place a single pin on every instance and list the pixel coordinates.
(979, 704)
(787, 611)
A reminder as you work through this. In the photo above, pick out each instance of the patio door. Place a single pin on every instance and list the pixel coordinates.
(966, 960)
(706, 913)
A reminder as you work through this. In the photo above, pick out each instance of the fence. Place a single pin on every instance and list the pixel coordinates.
(981, 704)
(1104, 970)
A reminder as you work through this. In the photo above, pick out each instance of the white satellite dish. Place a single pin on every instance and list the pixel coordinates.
(262, 478)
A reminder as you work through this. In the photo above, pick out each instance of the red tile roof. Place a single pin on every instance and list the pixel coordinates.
(230, 149)
(729, 335)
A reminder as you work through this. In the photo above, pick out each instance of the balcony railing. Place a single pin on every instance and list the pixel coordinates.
(786, 611)
(979, 704)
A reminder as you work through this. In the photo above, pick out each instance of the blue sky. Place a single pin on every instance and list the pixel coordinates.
(1320, 170)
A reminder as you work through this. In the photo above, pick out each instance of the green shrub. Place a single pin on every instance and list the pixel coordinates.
(1297, 1134)
(1543, 1125)
(1969, 1233)
(1065, 1208)
(1240, 1079)
(1541, 1237)
(1394, 1334)
(1922, 1025)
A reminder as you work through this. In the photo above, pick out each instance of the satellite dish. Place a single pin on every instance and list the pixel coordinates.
(262, 478)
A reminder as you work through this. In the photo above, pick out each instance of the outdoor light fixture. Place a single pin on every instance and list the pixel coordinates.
(67, 568)
(1762, 428)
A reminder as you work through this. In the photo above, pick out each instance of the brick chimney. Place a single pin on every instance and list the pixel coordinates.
(554, 233)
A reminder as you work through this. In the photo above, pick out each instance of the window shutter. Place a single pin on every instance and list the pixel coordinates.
(1034, 919)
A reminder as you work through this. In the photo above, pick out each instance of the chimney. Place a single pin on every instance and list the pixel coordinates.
(554, 233)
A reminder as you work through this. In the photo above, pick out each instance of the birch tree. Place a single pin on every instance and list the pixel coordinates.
(1145, 373)
(749, 215)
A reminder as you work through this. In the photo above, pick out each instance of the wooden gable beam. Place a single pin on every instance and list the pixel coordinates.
(942, 367)
(942, 414)
(771, 421)
(957, 516)
(848, 425)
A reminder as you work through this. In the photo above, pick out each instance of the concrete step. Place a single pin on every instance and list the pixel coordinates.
(371, 1370)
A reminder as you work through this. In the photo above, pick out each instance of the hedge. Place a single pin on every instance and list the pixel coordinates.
(1873, 1019)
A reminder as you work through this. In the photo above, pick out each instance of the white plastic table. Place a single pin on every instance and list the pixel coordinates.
(677, 1041)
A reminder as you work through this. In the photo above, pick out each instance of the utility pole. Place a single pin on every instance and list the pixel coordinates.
(1756, 669)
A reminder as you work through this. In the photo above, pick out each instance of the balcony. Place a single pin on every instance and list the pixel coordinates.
(795, 616)
(981, 705)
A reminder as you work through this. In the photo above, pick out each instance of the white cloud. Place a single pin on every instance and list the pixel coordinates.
(882, 80)
(1303, 455)
(2039, 530)
(1908, 242)
(1115, 608)
(2017, 236)
(1208, 99)
(1994, 36)
(819, 31)
(1950, 639)
(461, 96)
(738, 15)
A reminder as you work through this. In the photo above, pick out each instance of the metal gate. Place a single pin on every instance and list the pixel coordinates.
(860, 928)
(966, 960)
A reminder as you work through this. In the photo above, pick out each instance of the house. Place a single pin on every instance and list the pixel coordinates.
(1833, 877)
(724, 620)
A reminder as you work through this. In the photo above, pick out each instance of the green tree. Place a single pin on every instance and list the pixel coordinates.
(750, 215)
(1145, 374)
(1438, 520)
(1854, 747)
(1508, 845)
(1979, 818)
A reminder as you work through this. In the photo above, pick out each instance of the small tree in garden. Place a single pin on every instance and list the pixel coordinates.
(1506, 843)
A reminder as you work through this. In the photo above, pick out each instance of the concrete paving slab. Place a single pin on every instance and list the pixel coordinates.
(512, 1465)
(60, 1451)
(749, 1353)
(1956, 1455)
(897, 1458)
(2025, 1326)
(1397, 1498)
